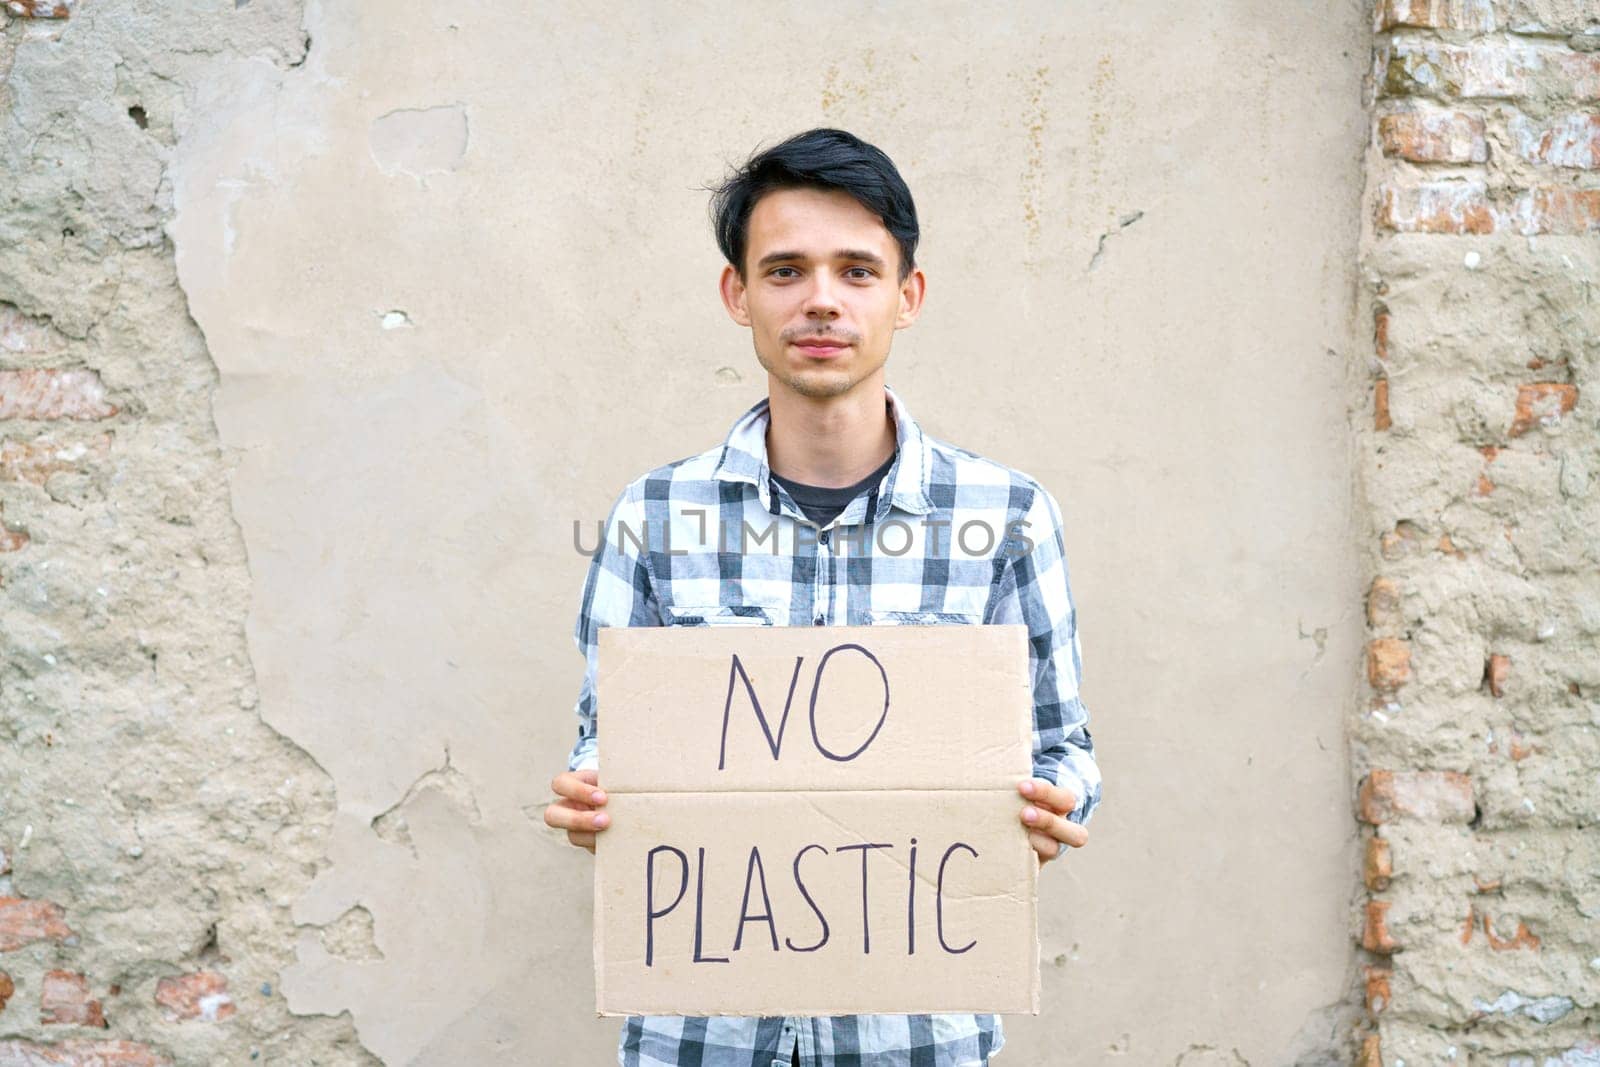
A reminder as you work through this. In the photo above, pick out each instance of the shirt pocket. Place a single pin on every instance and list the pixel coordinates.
(720, 615)
(923, 618)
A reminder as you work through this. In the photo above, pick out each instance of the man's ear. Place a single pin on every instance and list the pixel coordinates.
(733, 292)
(912, 290)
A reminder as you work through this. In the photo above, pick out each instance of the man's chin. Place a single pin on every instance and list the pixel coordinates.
(814, 382)
(820, 385)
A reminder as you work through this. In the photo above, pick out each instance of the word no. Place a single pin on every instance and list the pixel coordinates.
(736, 672)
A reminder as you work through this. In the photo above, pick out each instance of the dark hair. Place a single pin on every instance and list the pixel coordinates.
(824, 158)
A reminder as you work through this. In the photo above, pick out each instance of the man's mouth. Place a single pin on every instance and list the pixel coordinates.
(822, 347)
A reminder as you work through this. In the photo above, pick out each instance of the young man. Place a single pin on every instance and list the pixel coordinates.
(875, 523)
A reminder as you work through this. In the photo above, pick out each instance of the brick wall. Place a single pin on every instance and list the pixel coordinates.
(153, 830)
(1479, 744)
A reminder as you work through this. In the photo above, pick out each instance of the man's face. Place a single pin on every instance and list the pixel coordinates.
(821, 292)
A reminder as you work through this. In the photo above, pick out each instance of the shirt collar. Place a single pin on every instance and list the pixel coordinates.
(744, 459)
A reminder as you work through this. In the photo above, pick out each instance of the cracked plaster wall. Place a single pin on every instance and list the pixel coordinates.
(446, 262)
(154, 832)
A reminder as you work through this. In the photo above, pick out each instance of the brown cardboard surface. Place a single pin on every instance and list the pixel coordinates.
(875, 865)
(958, 709)
(965, 942)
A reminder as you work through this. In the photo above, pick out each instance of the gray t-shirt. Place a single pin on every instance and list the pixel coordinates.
(822, 504)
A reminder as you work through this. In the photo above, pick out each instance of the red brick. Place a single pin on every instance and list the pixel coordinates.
(1464, 207)
(1555, 211)
(1569, 140)
(1485, 486)
(1495, 673)
(1377, 991)
(52, 393)
(1378, 867)
(11, 540)
(1375, 936)
(36, 460)
(1436, 207)
(1380, 332)
(80, 1053)
(40, 9)
(1371, 1054)
(1542, 403)
(64, 1000)
(1388, 663)
(23, 921)
(1474, 15)
(1523, 938)
(22, 333)
(7, 988)
(1380, 405)
(1383, 603)
(198, 995)
(1426, 796)
(1434, 137)
(1489, 70)
(1402, 541)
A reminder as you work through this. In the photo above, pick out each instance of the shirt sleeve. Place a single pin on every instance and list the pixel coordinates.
(617, 592)
(1035, 592)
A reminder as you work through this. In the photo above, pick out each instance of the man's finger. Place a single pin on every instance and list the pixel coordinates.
(565, 815)
(1047, 847)
(1056, 798)
(581, 839)
(581, 786)
(1047, 822)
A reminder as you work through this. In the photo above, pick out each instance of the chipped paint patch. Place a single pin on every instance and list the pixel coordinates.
(419, 141)
(1544, 1010)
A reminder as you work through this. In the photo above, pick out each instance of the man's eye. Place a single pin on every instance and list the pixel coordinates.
(777, 272)
(859, 272)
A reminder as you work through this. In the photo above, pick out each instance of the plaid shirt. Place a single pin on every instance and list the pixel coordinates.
(946, 538)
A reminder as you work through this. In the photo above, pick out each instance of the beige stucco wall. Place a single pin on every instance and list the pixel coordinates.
(455, 274)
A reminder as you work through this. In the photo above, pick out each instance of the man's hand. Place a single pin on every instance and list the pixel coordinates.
(576, 809)
(1045, 818)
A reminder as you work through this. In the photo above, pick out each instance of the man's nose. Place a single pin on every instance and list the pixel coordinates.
(823, 298)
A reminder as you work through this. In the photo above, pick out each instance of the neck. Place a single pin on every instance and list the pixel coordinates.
(830, 441)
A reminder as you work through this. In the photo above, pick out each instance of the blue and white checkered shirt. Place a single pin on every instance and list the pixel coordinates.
(947, 537)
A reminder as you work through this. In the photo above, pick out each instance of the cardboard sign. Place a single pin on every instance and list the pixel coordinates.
(815, 821)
